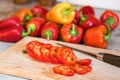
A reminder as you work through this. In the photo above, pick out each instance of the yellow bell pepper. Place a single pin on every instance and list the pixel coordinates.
(62, 13)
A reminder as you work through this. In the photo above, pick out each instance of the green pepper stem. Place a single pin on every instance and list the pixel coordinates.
(48, 34)
(82, 17)
(110, 21)
(107, 36)
(66, 12)
(27, 17)
(37, 15)
(31, 28)
(73, 31)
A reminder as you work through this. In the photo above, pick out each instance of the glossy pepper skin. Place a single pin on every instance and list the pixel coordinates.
(8, 22)
(110, 19)
(97, 36)
(11, 34)
(50, 31)
(76, 20)
(24, 14)
(62, 13)
(88, 21)
(86, 10)
(33, 26)
(71, 33)
(39, 11)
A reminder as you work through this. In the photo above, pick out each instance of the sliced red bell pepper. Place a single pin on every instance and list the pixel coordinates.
(66, 56)
(97, 36)
(33, 26)
(53, 54)
(33, 49)
(82, 69)
(110, 19)
(64, 70)
(58, 53)
(84, 62)
(45, 51)
(39, 11)
(9, 22)
(71, 33)
(88, 21)
(50, 31)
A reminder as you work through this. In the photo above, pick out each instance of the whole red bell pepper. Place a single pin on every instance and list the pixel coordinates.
(87, 10)
(39, 11)
(33, 26)
(110, 19)
(11, 29)
(71, 33)
(97, 36)
(77, 17)
(88, 21)
(8, 22)
(50, 31)
(11, 34)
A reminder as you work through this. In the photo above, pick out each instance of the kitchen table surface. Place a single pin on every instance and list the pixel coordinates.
(7, 7)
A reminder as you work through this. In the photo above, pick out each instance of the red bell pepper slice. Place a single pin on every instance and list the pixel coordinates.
(66, 56)
(50, 31)
(82, 69)
(71, 33)
(53, 51)
(64, 70)
(110, 19)
(59, 54)
(45, 51)
(84, 62)
(33, 49)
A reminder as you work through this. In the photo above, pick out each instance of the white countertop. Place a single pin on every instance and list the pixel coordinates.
(8, 7)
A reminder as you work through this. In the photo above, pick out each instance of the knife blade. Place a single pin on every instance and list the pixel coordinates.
(109, 56)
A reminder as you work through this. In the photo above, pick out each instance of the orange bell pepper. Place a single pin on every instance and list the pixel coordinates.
(62, 13)
(97, 36)
(24, 14)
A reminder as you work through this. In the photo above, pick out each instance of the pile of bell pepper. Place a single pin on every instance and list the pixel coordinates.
(63, 21)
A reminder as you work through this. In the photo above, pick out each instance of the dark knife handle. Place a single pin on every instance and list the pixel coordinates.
(109, 58)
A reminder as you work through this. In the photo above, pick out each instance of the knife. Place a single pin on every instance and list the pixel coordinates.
(109, 56)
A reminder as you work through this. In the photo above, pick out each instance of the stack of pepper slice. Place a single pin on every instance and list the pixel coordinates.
(69, 64)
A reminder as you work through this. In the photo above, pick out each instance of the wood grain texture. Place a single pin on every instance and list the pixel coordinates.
(14, 62)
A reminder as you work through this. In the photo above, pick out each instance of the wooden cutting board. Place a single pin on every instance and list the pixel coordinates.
(14, 62)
